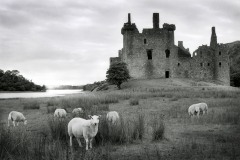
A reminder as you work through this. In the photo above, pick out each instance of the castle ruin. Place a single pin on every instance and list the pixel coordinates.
(153, 54)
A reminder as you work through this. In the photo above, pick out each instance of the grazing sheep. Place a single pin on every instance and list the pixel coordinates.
(203, 108)
(15, 116)
(77, 111)
(113, 117)
(60, 113)
(79, 127)
(195, 109)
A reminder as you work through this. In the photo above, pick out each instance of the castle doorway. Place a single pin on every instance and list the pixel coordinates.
(166, 74)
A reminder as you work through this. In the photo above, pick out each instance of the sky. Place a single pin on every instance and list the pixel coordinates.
(69, 42)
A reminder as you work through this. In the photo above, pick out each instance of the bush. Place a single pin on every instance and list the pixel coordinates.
(134, 101)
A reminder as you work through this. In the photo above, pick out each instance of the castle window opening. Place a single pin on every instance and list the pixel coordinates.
(208, 64)
(145, 41)
(166, 74)
(178, 64)
(167, 51)
(200, 53)
(201, 64)
(220, 53)
(220, 64)
(149, 54)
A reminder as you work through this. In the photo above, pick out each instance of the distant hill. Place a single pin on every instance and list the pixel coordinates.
(234, 55)
(13, 81)
(68, 87)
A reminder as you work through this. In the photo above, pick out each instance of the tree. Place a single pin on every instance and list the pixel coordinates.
(117, 74)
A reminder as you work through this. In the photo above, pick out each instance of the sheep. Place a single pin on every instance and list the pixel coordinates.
(15, 116)
(77, 111)
(195, 109)
(60, 113)
(79, 127)
(203, 108)
(113, 117)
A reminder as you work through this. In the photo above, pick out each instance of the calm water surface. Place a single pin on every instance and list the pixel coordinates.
(48, 93)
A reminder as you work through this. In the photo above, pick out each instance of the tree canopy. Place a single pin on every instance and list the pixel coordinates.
(117, 74)
(13, 81)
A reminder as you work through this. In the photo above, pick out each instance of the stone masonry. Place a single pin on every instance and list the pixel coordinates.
(153, 54)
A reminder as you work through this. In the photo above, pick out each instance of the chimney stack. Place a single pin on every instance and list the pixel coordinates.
(129, 18)
(213, 42)
(155, 20)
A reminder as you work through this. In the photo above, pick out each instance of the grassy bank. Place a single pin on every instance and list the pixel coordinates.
(154, 125)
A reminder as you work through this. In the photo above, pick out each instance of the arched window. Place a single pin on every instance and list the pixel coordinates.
(145, 41)
(178, 64)
(220, 64)
(220, 53)
(208, 64)
(167, 51)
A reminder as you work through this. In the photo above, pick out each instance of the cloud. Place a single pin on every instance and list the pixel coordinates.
(70, 42)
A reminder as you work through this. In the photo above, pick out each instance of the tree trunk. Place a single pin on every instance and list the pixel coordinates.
(119, 85)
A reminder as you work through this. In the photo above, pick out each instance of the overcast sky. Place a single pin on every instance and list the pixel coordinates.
(55, 42)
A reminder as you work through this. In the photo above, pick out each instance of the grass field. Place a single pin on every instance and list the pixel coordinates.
(154, 124)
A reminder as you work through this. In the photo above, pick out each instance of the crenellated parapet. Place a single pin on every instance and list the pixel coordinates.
(129, 26)
(169, 27)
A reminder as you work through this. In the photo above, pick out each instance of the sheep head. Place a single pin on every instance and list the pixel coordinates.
(94, 120)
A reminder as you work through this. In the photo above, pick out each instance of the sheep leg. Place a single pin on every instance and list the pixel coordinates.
(79, 142)
(70, 141)
(198, 114)
(91, 143)
(87, 141)
(8, 123)
(14, 123)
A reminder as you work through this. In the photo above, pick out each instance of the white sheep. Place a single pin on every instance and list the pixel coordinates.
(113, 117)
(195, 109)
(203, 108)
(79, 127)
(77, 111)
(15, 116)
(60, 113)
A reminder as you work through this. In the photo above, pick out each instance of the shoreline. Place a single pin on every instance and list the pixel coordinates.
(29, 94)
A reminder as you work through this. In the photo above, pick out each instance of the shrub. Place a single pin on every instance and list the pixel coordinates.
(134, 101)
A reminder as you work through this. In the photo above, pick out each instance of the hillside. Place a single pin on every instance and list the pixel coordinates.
(234, 55)
(164, 84)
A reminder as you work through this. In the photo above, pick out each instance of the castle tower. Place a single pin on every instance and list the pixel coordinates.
(221, 60)
(213, 42)
(128, 31)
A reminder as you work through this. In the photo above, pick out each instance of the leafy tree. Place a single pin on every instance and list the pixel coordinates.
(117, 74)
(13, 81)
